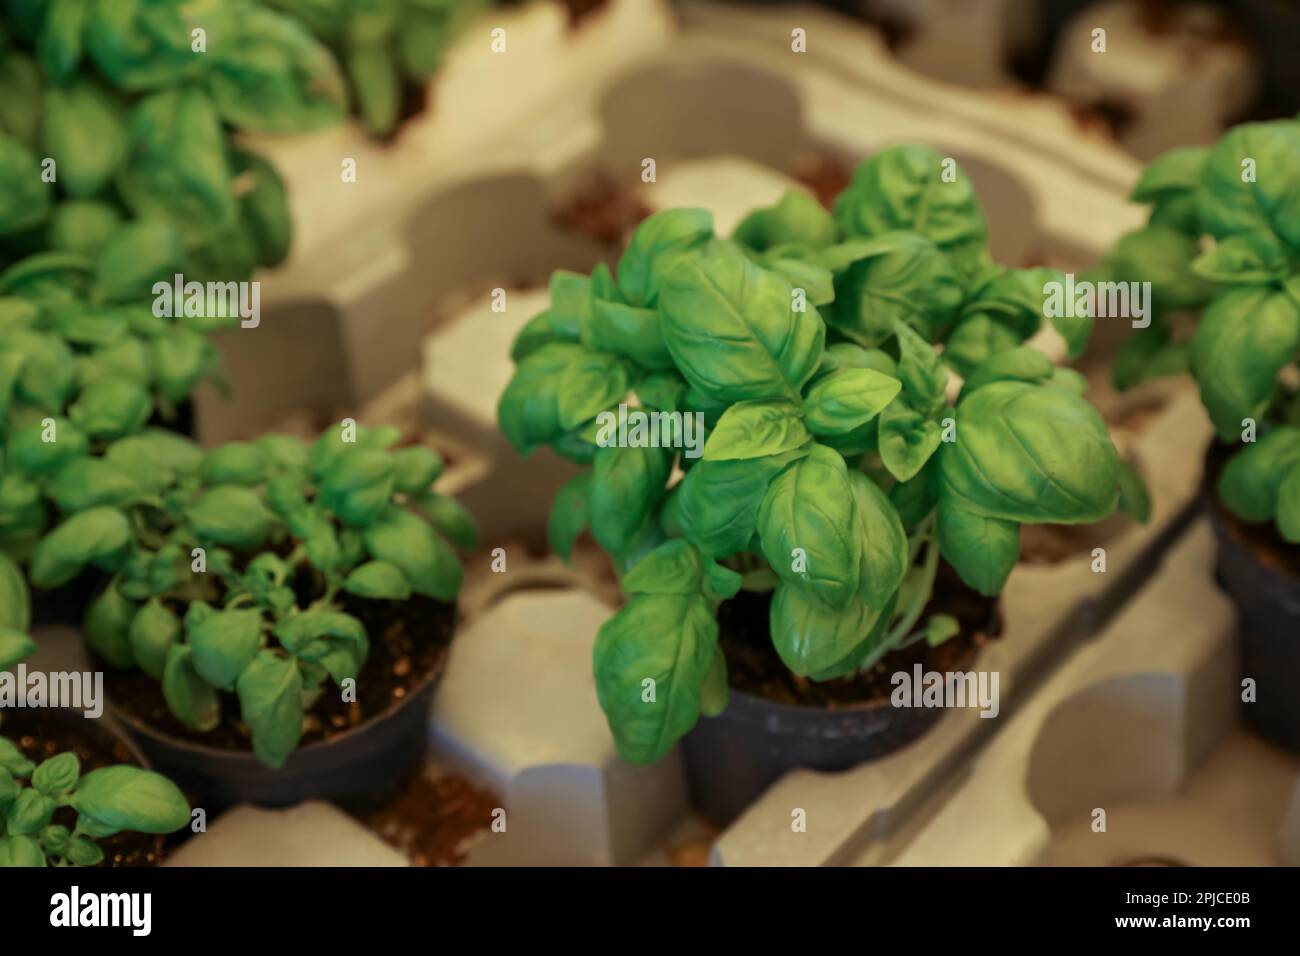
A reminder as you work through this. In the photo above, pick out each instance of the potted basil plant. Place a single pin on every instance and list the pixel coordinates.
(54, 814)
(838, 515)
(277, 615)
(1223, 246)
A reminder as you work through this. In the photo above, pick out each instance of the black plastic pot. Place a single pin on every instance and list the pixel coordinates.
(1268, 613)
(357, 770)
(732, 758)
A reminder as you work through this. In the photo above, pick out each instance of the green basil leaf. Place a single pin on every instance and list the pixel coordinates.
(82, 852)
(20, 850)
(627, 331)
(415, 469)
(1029, 453)
(756, 429)
(111, 407)
(359, 485)
(1270, 202)
(29, 452)
(224, 643)
(129, 798)
(97, 536)
(450, 517)
(589, 384)
(714, 692)
(897, 277)
(1176, 171)
(155, 458)
(675, 567)
(1134, 498)
(136, 257)
(1244, 338)
(232, 517)
(1248, 258)
(732, 332)
(668, 639)
(1288, 506)
(24, 198)
(15, 646)
(378, 580)
(847, 399)
(407, 541)
(882, 540)
(90, 482)
(1021, 364)
(21, 96)
(270, 699)
(194, 701)
(982, 551)
(57, 775)
(176, 167)
(236, 463)
(975, 340)
(30, 813)
(810, 636)
(810, 507)
(151, 635)
(627, 483)
(84, 131)
(335, 640)
(568, 515)
(796, 219)
(143, 45)
(108, 626)
(717, 502)
(907, 440)
(529, 409)
(657, 241)
(15, 602)
(1162, 256)
(1251, 481)
(903, 187)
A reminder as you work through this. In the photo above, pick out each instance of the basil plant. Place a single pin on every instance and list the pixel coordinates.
(106, 802)
(227, 570)
(1223, 243)
(118, 110)
(384, 46)
(834, 469)
(15, 614)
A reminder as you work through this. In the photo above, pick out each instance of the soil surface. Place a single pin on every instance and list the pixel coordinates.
(41, 734)
(1263, 540)
(754, 666)
(409, 641)
(601, 211)
(432, 820)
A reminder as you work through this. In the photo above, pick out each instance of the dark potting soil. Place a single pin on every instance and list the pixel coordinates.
(754, 666)
(1263, 539)
(432, 820)
(602, 211)
(409, 641)
(41, 734)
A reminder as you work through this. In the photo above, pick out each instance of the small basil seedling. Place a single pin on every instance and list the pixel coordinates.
(106, 801)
